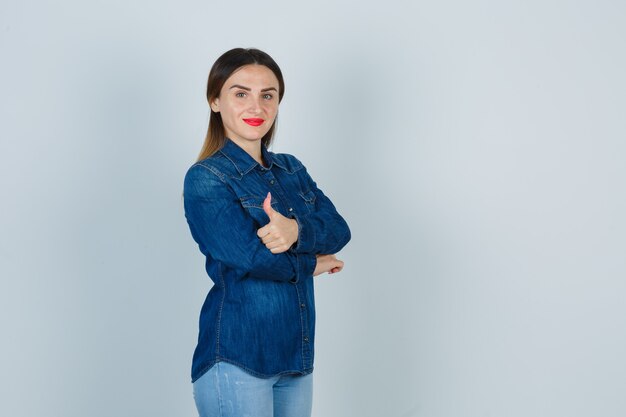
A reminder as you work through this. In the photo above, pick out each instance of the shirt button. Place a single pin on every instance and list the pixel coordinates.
(290, 209)
(306, 338)
(302, 305)
(272, 182)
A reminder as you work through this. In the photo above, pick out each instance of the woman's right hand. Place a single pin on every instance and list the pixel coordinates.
(327, 263)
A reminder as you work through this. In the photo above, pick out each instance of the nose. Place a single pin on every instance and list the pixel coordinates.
(255, 105)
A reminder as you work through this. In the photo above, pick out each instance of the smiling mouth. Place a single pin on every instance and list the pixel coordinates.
(254, 121)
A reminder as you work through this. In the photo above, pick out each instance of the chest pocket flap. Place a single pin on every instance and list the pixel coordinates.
(254, 206)
(309, 199)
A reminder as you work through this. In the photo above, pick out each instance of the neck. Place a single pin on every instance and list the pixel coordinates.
(252, 148)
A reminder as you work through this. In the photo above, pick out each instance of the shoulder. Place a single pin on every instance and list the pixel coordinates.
(206, 176)
(216, 165)
(288, 162)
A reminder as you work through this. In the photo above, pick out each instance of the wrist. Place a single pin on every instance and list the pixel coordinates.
(295, 231)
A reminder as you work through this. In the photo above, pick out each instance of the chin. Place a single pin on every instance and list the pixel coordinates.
(256, 136)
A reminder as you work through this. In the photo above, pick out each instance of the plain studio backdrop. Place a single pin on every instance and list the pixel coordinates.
(476, 148)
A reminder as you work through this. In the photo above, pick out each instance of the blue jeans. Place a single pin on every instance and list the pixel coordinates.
(226, 390)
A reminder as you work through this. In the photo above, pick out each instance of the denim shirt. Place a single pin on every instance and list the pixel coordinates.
(260, 312)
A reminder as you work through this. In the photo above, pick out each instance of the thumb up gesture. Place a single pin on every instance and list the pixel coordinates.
(281, 232)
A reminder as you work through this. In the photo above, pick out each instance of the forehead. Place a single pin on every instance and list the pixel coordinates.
(253, 76)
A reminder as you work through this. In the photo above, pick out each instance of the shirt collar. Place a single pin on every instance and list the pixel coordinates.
(243, 161)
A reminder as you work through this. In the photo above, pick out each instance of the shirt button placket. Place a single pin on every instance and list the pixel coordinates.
(306, 340)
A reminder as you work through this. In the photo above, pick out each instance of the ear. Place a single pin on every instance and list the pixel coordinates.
(215, 105)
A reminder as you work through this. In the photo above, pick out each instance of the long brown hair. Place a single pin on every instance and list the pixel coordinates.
(223, 68)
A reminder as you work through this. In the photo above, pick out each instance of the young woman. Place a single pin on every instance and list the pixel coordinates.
(266, 230)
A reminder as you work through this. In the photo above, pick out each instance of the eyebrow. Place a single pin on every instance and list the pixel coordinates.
(249, 89)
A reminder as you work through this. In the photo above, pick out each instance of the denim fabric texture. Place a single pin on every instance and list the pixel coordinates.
(227, 391)
(260, 312)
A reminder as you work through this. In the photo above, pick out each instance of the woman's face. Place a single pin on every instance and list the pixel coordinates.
(248, 103)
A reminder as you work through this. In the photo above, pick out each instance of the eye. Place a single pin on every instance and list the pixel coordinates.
(240, 94)
(268, 96)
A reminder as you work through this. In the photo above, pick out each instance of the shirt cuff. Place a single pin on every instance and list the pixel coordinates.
(306, 266)
(306, 235)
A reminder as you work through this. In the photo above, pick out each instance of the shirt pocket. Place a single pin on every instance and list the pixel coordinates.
(254, 207)
(309, 200)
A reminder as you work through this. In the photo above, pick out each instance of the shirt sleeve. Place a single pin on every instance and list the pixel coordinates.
(226, 232)
(323, 231)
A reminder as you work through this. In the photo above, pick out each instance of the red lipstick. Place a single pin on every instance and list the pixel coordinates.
(254, 121)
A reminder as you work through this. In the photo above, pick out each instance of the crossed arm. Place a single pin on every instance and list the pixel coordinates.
(281, 233)
(224, 231)
(323, 232)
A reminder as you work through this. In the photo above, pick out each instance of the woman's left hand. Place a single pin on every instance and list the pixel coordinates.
(281, 232)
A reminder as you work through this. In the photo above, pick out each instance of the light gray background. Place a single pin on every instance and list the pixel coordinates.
(476, 149)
